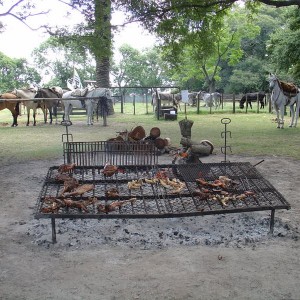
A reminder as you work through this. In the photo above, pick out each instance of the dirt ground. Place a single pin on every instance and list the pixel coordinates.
(209, 257)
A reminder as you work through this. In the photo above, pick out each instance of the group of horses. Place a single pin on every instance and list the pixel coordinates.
(210, 99)
(48, 100)
(283, 94)
(167, 98)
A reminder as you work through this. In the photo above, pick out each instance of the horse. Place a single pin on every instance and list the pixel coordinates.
(253, 97)
(47, 103)
(30, 105)
(210, 99)
(88, 104)
(13, 106)
(284, 94)
(165, 99)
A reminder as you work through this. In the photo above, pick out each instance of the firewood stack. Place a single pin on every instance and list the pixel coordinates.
(138, 134)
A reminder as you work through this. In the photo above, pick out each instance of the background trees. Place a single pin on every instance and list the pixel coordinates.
(205, 44)
(16, 73)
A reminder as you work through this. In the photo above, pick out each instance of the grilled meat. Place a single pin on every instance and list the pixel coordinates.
(109, 170)
(81, 189)
(114, 205)
(62, 177)
(112, 193)
(65, 168)
(69, 185)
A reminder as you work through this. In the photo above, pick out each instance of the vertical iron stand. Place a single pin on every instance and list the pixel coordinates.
(67, 134)
(224, 134)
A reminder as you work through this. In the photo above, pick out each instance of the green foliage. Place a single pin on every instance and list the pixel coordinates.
(285, 44)
(55, 59)
(137, 68)
(16, 73)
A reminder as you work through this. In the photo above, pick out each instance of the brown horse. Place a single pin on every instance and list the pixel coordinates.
(48, 103)
(13, 106)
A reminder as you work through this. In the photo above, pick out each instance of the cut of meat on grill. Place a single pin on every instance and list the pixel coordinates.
(62, 177)
(135, 184)
(112, 193)
(53, 208)
(65, 168)
(114, 205)
(82, 204)
(81, 189)
(69, 185)
(109, 170)
(218, 190)
(223, 182)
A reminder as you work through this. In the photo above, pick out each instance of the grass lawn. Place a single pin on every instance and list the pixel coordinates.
(252, 133)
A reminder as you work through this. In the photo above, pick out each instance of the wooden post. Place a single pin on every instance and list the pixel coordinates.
(246, 104)
(133, 104)
(198, 104)
(146, 98)
(122, 101)
(270, 104)
(233, 103)
(258, 104)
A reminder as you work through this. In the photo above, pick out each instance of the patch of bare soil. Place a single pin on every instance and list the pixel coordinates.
(211, 257)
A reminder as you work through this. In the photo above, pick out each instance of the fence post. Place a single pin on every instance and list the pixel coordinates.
(257, 100)
(134, 104)
(246, 104)
(146, 100)
(198, 104)
(233, 103)
(122, 101)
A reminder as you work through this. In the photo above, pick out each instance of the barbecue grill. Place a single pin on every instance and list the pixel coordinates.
(154, 200)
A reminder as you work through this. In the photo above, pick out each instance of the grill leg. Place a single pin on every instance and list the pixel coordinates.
(53, 230)
(272, 221)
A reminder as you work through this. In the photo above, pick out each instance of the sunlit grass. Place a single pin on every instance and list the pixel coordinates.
(251, 134)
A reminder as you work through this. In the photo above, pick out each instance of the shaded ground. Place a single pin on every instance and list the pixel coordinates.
(210, 257)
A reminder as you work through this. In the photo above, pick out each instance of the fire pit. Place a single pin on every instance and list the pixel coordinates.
(158, 191)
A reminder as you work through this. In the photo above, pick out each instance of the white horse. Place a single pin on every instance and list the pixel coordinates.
(210, 99)
(30, 105)
(86, 103)
(281, 97)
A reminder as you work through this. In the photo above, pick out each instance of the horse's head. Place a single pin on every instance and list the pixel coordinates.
(272, 80)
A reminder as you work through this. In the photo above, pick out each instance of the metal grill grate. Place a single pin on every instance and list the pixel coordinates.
(155, 200)
(98, 153)
(158, 201)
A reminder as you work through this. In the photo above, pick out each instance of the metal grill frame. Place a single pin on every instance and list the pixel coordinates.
(98, 153)
(165, 204)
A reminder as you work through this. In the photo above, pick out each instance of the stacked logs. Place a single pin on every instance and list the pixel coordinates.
(138, 134)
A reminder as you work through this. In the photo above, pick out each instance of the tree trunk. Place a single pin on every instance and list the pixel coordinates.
(102, 48)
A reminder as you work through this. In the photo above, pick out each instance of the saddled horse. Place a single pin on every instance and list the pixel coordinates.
(13, 106)
(90, 105)
(48, 103)
(284, 94)
(166, 99)
(210, 99)
(249, 97)
(30, 104)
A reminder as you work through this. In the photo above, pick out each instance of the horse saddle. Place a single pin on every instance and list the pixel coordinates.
(80, 92)
(289, 89)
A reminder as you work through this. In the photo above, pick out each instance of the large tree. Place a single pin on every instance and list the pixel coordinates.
(156, 16)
